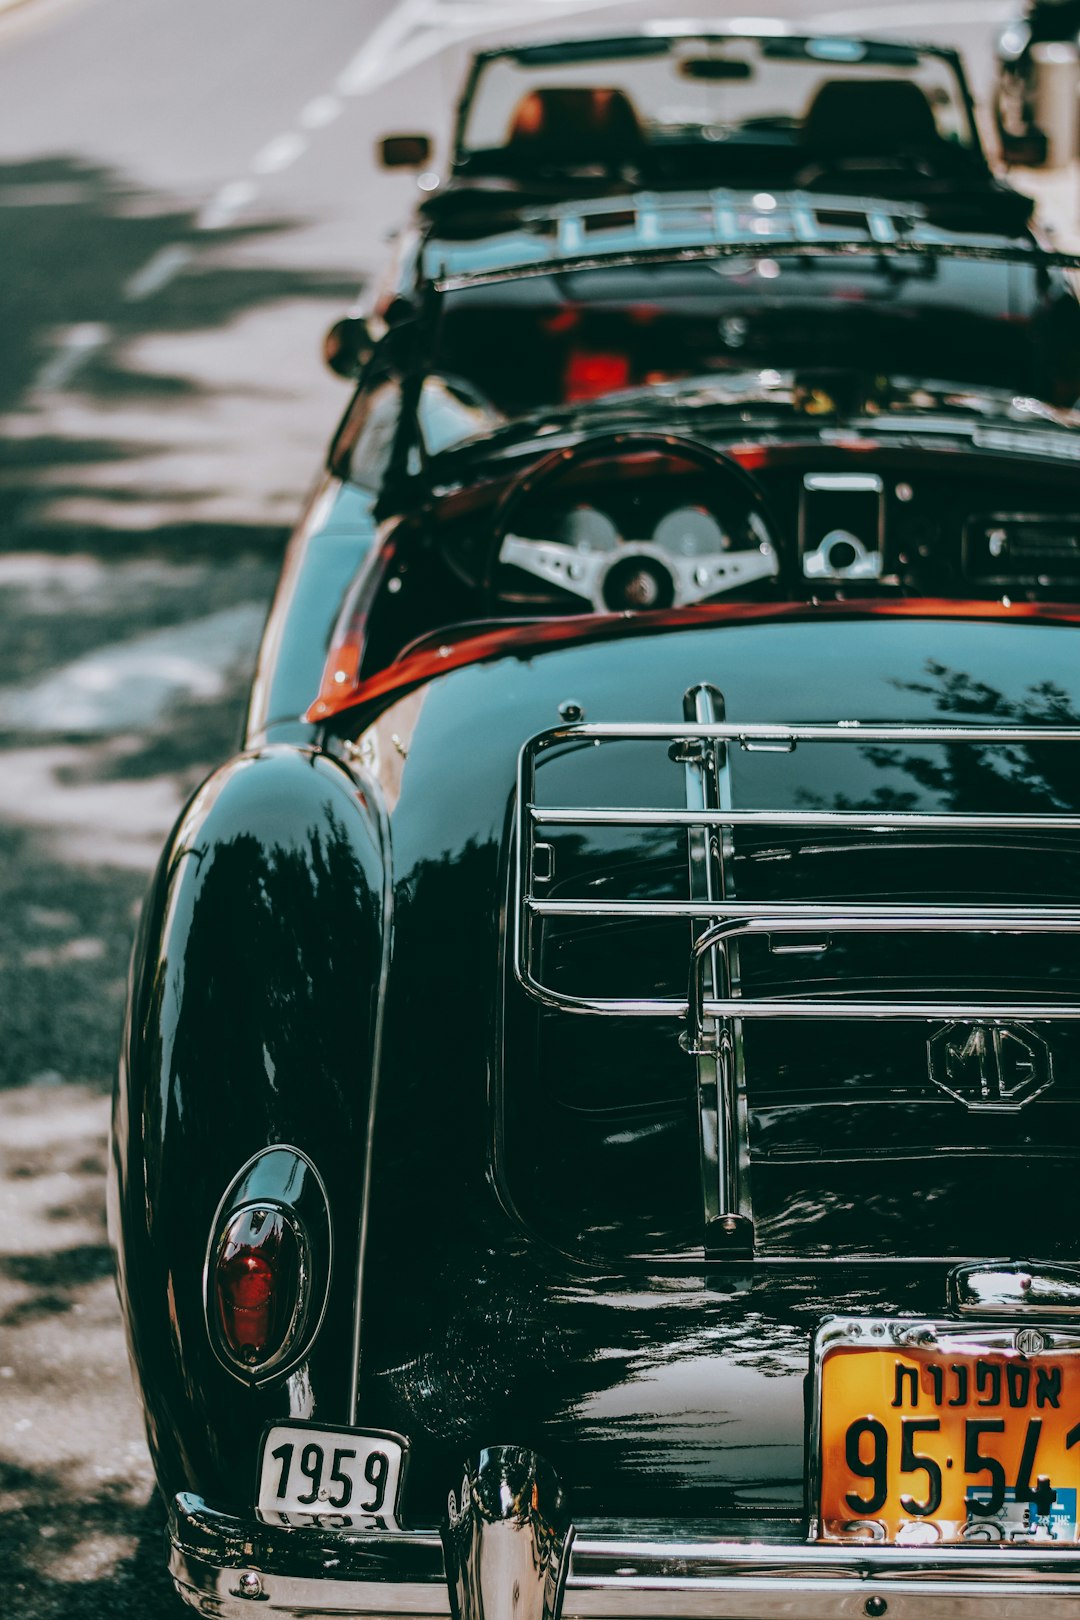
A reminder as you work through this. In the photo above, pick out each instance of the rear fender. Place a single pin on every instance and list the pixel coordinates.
(252, 1022)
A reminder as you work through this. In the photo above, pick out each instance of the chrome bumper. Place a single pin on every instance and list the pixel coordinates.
(237, 1569)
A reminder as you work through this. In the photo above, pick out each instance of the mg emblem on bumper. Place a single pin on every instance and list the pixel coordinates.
(990, 1067)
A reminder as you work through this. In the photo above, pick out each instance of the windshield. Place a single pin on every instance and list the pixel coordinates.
(519, 345)
(740, 96)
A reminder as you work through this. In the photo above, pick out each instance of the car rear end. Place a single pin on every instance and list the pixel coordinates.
(719, 1239)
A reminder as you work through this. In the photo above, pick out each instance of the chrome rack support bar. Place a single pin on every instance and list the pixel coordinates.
(841, 731)
(722, 1123)
(506, 1542)
(928, 920)
(880, 820)
(733, 921)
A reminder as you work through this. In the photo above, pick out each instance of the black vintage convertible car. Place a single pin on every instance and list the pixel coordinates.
(596, 1111)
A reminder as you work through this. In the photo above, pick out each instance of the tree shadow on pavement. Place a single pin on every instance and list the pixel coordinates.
(80, 1531)
(69, 1557)
(75, 234)
(85, 802)
(78, 241)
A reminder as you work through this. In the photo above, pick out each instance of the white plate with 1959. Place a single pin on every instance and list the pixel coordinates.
(332, 1478)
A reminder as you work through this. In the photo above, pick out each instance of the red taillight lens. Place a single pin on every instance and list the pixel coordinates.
(246, 1292)
(258, 1273)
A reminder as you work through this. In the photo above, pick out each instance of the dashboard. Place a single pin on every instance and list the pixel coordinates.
(829, 523)
(677, 524)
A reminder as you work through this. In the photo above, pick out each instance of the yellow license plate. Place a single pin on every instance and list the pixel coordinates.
(938, 1432)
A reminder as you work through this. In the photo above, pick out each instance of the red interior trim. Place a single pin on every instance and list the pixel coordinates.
(340, 691)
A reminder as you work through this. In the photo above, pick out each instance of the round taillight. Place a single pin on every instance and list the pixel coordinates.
(258, 1282)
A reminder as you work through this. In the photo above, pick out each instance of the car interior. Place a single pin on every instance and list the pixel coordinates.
(628, 522)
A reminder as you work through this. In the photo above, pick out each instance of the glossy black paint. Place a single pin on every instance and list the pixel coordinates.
(251, 1023)
(659, 1387)
(323, 962)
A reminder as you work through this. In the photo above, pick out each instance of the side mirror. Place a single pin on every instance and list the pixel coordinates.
(348, 346)
(404, 151)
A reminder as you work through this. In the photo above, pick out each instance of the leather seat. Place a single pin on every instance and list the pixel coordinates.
(869, 118)
(575, 128)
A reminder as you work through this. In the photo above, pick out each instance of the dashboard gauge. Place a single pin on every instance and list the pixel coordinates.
(587, 529)
(690, 531)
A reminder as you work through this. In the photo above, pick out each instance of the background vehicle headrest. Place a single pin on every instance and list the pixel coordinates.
(575, 126)
(869, 117)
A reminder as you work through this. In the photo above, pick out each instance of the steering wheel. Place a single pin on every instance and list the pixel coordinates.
(634, 575)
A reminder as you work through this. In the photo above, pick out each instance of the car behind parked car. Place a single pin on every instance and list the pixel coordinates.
(736, 107)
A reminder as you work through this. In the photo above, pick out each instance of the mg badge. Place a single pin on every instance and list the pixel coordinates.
(994, 1068)
(1030, 1342)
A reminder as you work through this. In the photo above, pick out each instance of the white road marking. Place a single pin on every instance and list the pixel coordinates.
(320, 112)
(416, 30)
(279, 153)
(371, 73)
(223, 208)
(366, 66)
(931, 15)
(157, 272)
(78, 344)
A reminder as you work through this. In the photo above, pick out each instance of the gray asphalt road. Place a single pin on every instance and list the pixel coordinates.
(186, 199)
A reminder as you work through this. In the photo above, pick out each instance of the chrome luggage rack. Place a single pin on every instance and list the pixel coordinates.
(713, 1008)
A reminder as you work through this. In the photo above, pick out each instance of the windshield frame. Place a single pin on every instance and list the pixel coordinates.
(661, 40)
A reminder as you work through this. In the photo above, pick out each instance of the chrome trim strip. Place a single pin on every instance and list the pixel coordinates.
(372, 792)
(615, 257)
(1055, 919)
(837, 731)
(723, 1127)
(700, 1577)
(885, 820)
